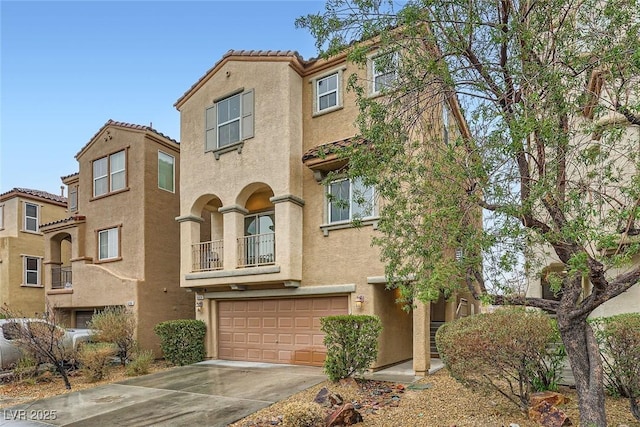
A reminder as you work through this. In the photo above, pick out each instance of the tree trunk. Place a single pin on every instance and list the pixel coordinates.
(586, 365)
(63, 373)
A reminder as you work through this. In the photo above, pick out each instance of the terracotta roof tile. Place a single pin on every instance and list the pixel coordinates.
(35, 193)
(69, 176)
(128, 126)
(330, 148)
(247, 53)
(64, 220)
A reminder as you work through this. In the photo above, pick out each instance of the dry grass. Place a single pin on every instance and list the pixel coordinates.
(443, 403)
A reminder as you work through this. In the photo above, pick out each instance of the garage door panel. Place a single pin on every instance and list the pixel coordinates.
(276, 330)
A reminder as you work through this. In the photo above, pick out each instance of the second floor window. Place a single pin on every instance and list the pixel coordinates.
(327, 92)
(108, 244)
(349, 199)
(229, 120)
(1, 217)
(109, 174)
(166, 171)
(31, 271)
(73, 198)
(384, 70)
(31, 217)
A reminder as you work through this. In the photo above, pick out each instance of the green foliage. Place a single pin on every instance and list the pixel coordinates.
(182, 341)
(117, 325)
(26, 369)
(511, 352)
(303, 414)
(95, 359)
(619, 342)
(352, 344)
(140, 364)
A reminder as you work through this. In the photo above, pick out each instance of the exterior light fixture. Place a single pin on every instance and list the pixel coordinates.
(359, 301)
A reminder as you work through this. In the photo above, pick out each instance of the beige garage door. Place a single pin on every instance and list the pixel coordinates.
(276, 330)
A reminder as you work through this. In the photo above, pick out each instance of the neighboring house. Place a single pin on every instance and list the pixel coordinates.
(22, 247)
(264, 247)
(121, 230)
(538, 281)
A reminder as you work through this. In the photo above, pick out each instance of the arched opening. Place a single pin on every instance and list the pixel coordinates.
(61, 273)
(257, 246)
(207, 252)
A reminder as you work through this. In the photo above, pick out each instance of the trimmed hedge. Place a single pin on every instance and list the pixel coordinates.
(352, 344)
(182, 341)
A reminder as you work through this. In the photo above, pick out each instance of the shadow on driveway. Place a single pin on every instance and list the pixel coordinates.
(211, 393)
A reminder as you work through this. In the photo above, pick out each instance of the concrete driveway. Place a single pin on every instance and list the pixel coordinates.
(211, 393)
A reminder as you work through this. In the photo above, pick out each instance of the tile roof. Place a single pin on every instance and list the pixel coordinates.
(330, 148)
(127, 126)
(69, 176)
(64, 220)
(35, 193)
(246, 53)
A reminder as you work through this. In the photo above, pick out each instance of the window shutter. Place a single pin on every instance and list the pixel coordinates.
(247, 114)
(211, 131)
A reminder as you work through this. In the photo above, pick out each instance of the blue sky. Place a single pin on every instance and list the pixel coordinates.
(68, 67)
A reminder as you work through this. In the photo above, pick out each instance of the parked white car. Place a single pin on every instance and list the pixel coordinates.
(10, 353)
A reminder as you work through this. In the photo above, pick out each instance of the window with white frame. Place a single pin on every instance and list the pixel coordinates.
(445, 123)
(166, 171)
(31, 270)
(349, 200)
(108, 244)
(109, 174)
(31, 212)
(1, 217)
(229, 120)
(327, 92)
(384, 71)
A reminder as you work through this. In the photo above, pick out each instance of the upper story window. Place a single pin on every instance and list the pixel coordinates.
(445, 123)
(166, 171)
(109, 174)
(73, 198)
(31, 270)
(327, 92)
(31, 212)
(384, 72)
(229, 120)
(349, 199)
(109, 244)
(1, 217)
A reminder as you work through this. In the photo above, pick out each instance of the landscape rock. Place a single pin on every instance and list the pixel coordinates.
(327, 398)
(346, 415)
(548, 415)
(551, 397)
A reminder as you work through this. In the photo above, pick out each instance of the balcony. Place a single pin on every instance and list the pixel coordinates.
(256, 250)
(207, 256)
(61, 278)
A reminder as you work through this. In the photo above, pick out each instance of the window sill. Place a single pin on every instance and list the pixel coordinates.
(236, 146)
(327, 111)
(340, 225)
(31, 286)
(106, 260)
(102, 196)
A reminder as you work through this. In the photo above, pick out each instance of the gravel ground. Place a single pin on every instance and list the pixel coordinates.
(441, 401)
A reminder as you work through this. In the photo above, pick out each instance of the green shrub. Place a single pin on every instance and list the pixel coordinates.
(95, 359)
(511, 352)
(619, 342)
(26, 369)
(303, 414)
(117, 325)
(140, 364)
(352, 344)
(182, 341)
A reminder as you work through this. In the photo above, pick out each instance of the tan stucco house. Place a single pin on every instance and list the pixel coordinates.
(22, 211)
(120, 228)
(264, 249)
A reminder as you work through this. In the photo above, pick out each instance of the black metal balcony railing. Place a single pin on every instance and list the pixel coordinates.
(61, 278)
(258, 249)
(207, 256)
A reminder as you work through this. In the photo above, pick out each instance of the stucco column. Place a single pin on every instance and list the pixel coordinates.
(233, 229)
(421, 344)
(450, 307)
(189, 234)
(288, 216)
